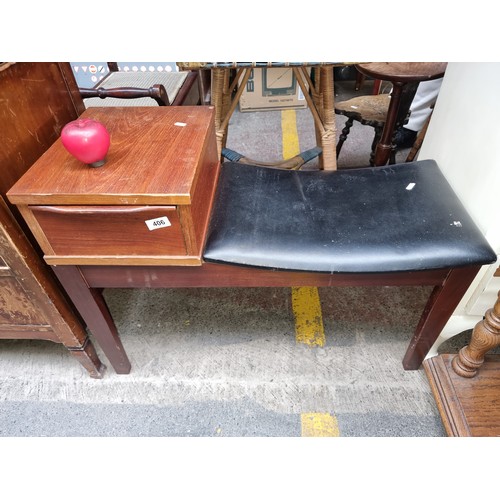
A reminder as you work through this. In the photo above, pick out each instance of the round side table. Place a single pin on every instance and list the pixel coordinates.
(405, 77)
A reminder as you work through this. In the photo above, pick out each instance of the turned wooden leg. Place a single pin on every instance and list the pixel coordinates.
(360, 80)
(344, 134)
(485, 336)
(376, 139)
(440, 306)
(93, 309)
(384, 147)
(399, 105)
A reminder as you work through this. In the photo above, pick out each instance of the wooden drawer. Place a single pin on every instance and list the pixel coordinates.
(78, 234)
(162, 162)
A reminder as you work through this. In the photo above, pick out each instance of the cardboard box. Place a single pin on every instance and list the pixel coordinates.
(272, 89)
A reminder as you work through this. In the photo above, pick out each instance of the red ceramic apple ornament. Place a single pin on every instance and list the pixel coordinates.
(87, 140)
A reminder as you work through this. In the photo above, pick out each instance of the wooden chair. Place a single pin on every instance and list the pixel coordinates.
(385, 114)
(405, 78)
(139, 88)
(370, 110)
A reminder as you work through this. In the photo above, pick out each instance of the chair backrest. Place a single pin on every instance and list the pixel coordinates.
(143, 88)
(156, 92)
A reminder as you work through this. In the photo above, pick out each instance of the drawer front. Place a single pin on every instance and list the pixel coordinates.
(110, 231)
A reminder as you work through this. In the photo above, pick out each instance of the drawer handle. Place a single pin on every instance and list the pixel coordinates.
(71, 210)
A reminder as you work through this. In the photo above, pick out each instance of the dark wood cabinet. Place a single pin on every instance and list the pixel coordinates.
(36, 101)
(32, 305)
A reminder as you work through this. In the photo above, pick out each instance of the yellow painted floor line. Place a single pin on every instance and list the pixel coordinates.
(305, 300)
(306, 308)
(290, 137)
(319, 425)
(306, 304)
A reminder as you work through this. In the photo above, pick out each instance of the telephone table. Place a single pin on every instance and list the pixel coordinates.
(142, 220)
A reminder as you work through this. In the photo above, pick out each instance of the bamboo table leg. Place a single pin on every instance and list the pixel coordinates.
(328, 138)
(226, 94)
(320, 100)
(218, 77)
(223, 100)
(485, 336)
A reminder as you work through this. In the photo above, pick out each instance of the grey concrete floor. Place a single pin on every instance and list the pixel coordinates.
(225, 362)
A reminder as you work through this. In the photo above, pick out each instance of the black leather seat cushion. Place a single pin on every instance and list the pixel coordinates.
(402, 217)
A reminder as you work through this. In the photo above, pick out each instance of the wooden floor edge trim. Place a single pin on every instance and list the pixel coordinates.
(447, 401)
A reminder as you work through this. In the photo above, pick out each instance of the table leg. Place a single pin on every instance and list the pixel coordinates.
(217, 95)
(485, 336)
(399, 105)
(92, 307)
(320, 101)
(440, 306)
(384, 147)
(224, 101)
(87, 357)
(328, 138)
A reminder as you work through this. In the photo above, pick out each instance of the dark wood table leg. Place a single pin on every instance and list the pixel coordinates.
(485, 336)
(92, 307)
(440, 306)
(87, 357)
(399, 105)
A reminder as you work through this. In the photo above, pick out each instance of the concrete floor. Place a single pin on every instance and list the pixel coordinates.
(226, 362)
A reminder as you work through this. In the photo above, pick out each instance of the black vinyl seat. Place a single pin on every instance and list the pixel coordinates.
(396, 218)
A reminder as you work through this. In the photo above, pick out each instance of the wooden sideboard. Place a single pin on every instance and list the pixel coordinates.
(36, 101)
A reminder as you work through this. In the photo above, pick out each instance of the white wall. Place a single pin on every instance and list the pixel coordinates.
(464, 139)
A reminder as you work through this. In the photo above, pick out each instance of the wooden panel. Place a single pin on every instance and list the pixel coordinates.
(189, 93)
(31, 303)
(16, 307)
(220, 275)
(152, 160)
(38, 99)
(195, 217)
(468, 406)
(4, 268)
(109, 231)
